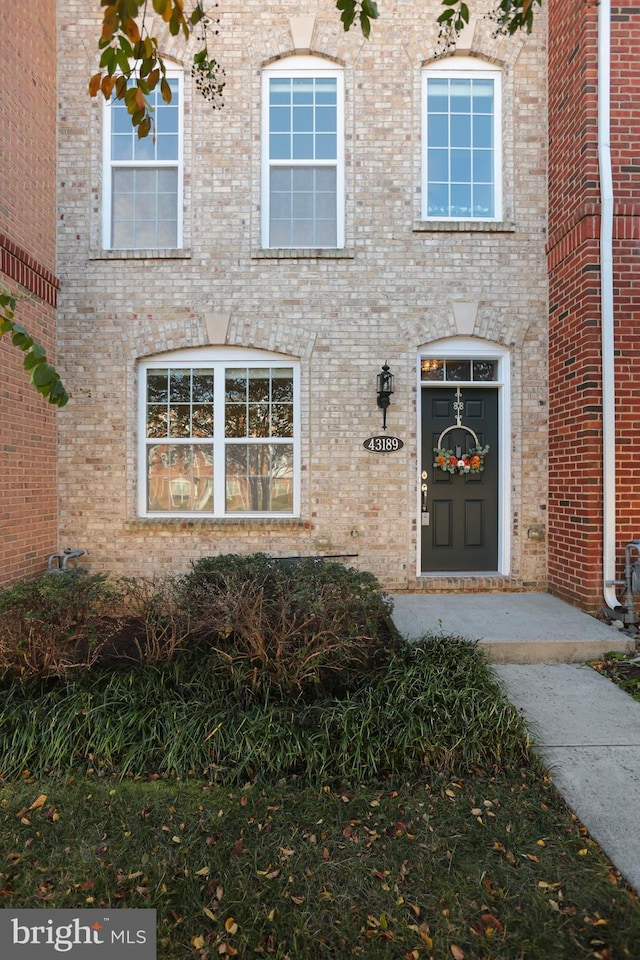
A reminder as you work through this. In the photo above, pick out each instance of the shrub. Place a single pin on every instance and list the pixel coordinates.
(290, 629)
(72, 621)
(54, 624)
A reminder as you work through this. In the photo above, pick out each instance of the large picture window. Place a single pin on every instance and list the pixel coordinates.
(219, 436)
(303, 176)
(142, 183)
(462, 153)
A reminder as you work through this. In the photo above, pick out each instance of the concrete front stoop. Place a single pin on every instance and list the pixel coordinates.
(514, 627)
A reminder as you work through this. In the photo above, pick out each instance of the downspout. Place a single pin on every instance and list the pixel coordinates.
(606, 306)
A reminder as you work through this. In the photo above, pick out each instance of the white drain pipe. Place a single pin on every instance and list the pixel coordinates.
(606, 306)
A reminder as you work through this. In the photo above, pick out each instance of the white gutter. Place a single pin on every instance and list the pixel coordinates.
(606, 306)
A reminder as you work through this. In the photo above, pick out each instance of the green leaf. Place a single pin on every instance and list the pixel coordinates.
(21, 340)
(43, 374)
(58, 394)
(108, 59)
(35, 356)
(123, 62)
(125, 46)
(196, 15)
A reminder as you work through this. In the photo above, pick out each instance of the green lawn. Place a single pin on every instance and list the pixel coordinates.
(487, 866)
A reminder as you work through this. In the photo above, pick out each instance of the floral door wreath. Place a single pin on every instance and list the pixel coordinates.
(470, 462)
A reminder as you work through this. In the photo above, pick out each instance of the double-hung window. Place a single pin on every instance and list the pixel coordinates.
(219, 436)
(303, 154)
(142, 184)
(462, 149)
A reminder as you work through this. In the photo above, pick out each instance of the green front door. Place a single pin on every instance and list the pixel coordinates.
(459, 513)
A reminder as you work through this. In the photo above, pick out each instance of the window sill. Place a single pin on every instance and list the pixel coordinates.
(303, 253)
(152, 253)
(228, 524)
(464, 226)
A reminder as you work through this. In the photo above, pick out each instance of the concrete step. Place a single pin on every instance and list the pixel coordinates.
(513, 627)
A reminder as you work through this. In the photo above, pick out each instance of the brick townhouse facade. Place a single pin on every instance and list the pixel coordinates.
(231, 290)
(594, 291)
(28, 529)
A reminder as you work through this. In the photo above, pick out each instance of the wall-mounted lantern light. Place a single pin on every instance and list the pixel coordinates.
(385, 389)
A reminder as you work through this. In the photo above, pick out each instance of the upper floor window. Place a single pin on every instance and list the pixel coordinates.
(142, 182)
(302, 154)
(219, 435)
(462, 141)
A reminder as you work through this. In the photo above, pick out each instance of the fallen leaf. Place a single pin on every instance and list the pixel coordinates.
(38, 802)
(197, 942)
(457, 952)
(230, 925)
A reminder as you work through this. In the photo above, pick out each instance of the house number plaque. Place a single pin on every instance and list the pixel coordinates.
(383, 444)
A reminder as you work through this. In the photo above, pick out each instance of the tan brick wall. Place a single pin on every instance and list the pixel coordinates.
(392, 292)
(28, 527)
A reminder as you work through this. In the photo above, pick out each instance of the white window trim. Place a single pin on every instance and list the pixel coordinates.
(108, 165)
(468, 348)
(303, 66)
(230, 356)
(465, 68)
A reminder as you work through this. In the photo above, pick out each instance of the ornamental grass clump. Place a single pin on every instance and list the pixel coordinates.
(288, 629)
(435, 707)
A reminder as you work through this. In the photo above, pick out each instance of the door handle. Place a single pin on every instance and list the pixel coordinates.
(424, 497)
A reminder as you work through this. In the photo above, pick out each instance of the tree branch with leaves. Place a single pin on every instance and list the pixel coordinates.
(42, 375)
(132, 66)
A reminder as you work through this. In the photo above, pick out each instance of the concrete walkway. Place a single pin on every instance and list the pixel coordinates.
(586, 730)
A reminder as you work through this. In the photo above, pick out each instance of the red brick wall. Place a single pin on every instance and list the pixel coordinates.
(28, 523)
(575, 479)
